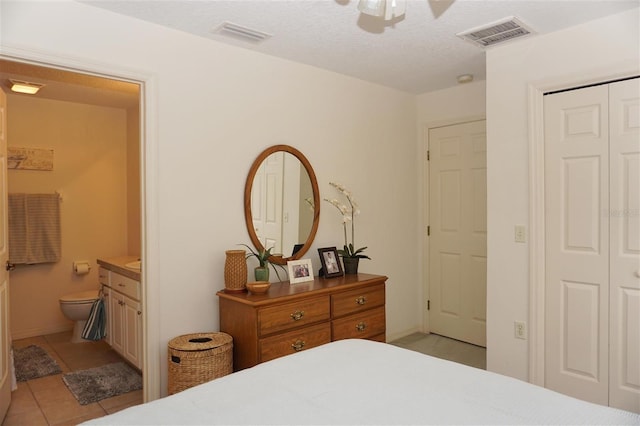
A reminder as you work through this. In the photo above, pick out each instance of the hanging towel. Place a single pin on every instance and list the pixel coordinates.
(34, 228)
(96, 326)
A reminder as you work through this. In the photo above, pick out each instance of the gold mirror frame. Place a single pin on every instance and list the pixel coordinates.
(248, 217)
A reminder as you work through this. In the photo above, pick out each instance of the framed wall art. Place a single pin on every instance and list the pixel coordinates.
(29, 159)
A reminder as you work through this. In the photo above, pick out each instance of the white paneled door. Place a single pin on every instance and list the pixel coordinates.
(5, 342)
(577, 249)
(592, 230)
(266, 202)
(624, 240)
(458, 231)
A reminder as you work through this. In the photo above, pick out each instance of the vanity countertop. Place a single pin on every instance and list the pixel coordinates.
(117, 264)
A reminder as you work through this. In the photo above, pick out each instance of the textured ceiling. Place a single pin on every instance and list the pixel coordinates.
(416, 53)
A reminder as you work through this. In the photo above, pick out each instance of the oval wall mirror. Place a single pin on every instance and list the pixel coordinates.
(282, 203)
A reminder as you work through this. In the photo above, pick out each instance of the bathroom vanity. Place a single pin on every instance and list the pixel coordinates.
(123, 293)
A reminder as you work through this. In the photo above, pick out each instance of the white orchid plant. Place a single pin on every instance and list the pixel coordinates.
(348, 214)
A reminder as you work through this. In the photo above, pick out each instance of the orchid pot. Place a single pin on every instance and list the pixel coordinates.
(350, 264)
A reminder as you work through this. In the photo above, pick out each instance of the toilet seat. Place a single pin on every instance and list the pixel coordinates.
(80, 297)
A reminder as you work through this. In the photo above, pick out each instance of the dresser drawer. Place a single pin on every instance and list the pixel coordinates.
(362, 325)
(290, 315)
(294, 341)
(125, 285)
(349, 302)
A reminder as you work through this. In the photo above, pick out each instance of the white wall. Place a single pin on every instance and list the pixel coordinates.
(595, 51)
(450, 105)
(353, 132)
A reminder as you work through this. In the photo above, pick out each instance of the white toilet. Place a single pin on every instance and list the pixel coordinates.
(76, 307)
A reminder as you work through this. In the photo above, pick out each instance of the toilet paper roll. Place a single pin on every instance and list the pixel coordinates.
(81, 268)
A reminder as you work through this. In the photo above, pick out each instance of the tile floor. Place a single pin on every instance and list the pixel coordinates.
(48, 401)
(446, 348)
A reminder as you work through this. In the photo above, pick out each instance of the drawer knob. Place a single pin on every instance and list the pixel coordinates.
(297, 315)
(361, 326)
(361, 300)
(298, 345)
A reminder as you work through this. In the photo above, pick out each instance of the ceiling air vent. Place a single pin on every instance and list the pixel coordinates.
(239, 32)
(497, 32)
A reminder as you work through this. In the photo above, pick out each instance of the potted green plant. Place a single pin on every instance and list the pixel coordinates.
(261, 272)
(350, 255)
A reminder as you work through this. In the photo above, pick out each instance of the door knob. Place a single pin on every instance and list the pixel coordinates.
(10, 266)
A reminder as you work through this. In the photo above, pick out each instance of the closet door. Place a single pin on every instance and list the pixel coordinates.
(624, 214)
(577, 243)
(592, 215)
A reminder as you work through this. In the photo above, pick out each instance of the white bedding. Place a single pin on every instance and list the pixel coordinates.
(364, 382)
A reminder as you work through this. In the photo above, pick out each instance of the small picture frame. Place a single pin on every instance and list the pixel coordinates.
(296, 248)
(300, 271)
(330, 262)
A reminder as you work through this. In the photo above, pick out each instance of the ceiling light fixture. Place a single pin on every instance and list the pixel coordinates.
(387, 9)
(465, 78)
(25, 87)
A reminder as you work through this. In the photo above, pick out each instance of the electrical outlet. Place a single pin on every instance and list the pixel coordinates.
(520, 329)
(520, 234)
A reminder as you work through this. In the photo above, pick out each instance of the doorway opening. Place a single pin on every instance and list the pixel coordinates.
(89, 95)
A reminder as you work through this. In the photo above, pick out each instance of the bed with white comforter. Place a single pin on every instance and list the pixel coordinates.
(364, 382)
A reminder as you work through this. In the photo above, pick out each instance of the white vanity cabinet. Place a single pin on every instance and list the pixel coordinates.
(103, 278)
(126, 327)
(124, 315)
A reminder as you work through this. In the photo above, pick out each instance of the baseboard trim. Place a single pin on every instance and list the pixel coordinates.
(395, 336)
(33, 332)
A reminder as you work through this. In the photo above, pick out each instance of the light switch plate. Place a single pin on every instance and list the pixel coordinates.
(520, 234)
(520, 329)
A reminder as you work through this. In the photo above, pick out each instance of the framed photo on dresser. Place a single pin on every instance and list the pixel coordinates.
(300, 271)
(330, 262)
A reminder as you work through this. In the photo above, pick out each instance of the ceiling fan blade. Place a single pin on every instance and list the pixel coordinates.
(438, 7)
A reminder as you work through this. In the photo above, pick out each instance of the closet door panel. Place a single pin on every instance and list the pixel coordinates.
(577, 243)
(624, 213)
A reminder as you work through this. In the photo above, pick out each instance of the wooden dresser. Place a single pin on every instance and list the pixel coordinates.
(291, 318)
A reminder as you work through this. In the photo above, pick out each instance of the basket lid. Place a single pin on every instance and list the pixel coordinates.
(199, 341)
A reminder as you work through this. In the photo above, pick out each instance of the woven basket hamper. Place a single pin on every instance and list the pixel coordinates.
(198, 358)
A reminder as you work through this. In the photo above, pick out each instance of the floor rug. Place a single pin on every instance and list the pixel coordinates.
(98, 383)
(32, 362)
